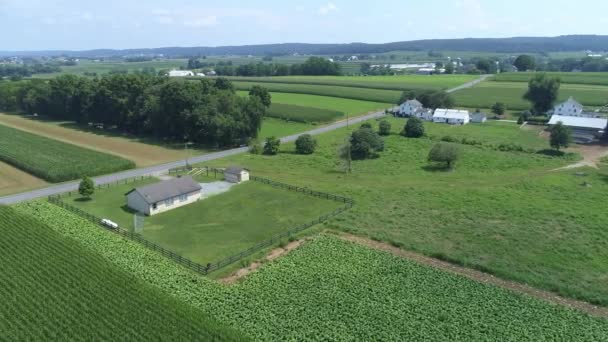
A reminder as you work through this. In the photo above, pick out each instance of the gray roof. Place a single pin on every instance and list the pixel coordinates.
(171, 188)
(235, 170)
(414, 102)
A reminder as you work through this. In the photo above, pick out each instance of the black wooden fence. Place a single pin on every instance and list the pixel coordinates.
(206, 269)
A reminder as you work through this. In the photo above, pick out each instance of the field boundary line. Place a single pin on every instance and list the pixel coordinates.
(479, 276)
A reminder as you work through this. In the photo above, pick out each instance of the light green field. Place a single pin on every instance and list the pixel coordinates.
(210, 230)
(591, 78)
(337, 290)
(485, 94)
(401, 82)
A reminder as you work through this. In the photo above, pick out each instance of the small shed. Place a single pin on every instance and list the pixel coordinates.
(235, 174)
(479, 117)
(164, 196)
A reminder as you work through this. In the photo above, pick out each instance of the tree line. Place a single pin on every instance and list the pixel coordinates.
(314, 66)
(204, 112)
(26, 70)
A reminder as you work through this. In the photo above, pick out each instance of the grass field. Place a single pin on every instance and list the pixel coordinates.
(107, 66)
(501, 212)
(486, 94)
(217, 227)
(143, 152)
(341, 291)
(51, 288)
(400, 83)
(591, 78)
(13, 180)
(53, 160)
(363, 94)
(302, 114)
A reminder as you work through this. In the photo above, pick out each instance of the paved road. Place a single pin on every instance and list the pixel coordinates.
(158, 169)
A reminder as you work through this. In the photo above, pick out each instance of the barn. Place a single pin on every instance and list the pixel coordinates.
(451, 116)
(164, 196)
(236, 174)
(584, 129)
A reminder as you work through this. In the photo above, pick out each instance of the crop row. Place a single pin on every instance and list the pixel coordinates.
(592, 78)
(53, 160)
(330, 289)
(53, 289)
(302, 114)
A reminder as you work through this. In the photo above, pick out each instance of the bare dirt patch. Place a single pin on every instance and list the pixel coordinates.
(480, 276)
(592, 155)
(13, 180)
(274, 254)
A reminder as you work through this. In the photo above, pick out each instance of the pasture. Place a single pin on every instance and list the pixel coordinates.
(501, 212)
(342, 291)
(302, 114)
(53, 160)
(103, 67)
(485, 94)
(219, 226)
(53, 288)
(591, 78)
(400, 82)
(144, 152)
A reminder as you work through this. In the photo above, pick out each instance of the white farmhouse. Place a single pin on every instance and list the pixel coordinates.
(180, 73)
(164, 196)
(410, 107)
(236, 174)
(451, 116)
(569, 108)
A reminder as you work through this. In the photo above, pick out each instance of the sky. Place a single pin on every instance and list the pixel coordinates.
(122, 24)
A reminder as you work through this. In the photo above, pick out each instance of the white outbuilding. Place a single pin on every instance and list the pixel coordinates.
(180, 73)
(479, 117)
(164, 196)
(569, 108)
(451, 116)
(236, 174)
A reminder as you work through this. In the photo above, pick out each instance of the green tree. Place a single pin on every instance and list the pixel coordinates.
(86, 188)
(499, 108)
(366, 125)
(436, 99)
(444, 152)
(224, 84)
(345, 155)
(414, 128)
(525, 63)
(542, 92)
(365, 143)
(384, 128)
(561, 136)
(484, 65)
(407, 95)
(449, 68)
(306, 144)
(271, 146)
(262, 93)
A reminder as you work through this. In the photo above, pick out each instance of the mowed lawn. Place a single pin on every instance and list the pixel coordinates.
(142, 152)
(401, 82)
(13, 180)
(502, 212)
(219, 226)
(485, 94)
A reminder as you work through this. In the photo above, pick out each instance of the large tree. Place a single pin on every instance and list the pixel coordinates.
(365, 143)
(414, 128)
(561, 136)
(306, 144)
(542, 92)
(86, 188)
(444, 152)
(262, 93)
(525, 63)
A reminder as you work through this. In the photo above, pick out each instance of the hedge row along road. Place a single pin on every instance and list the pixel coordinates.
(72, 186)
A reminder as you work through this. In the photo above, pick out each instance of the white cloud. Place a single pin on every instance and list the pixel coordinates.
(327, 9)
(208, 21)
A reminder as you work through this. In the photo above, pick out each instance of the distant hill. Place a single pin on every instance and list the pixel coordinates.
(506, 45)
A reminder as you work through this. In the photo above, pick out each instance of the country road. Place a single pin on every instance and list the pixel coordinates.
(73, 186)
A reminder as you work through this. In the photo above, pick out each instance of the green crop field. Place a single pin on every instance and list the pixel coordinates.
(502, 212)
(53, 289)
(592, 78)
(336, 290)
(302, 114)
(364, 94)
(210, 230)
(485, 94)
(400, 83)
(53, 160)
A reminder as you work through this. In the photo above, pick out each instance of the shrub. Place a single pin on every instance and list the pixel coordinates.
(255, 147)
(86, 188)
(449, 138)
(365, 144)
(499, 108)
(414, 128)
(472, 142)
(384, 128)
(366, 125)
(306, 144)
(271, 146)
(443, 152)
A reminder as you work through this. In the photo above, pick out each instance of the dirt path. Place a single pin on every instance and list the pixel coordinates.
(480, 276)
(274, 254)
(592, 154)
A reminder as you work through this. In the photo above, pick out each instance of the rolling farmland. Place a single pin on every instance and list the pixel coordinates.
(591, 78)
(53, 160)
(13, 180)
(302, 114)
(327, 288)
(51, 288)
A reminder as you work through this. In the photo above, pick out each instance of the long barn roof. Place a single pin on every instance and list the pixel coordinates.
(164, 190)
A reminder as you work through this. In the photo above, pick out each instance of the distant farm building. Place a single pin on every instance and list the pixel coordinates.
(451, 116)
(236, 175)
(180, 73)
(413, 108)
(586, 127)
(569, 108)
(479, 117)
(164, 196)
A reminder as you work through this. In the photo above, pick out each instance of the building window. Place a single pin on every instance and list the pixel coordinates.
(155, 206)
